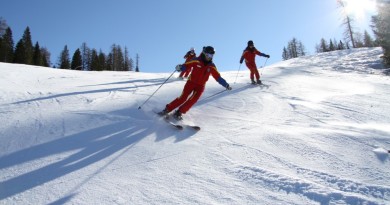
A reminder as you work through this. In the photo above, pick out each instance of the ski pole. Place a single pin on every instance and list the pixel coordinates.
(213, 95)
(157, 89)
(237, 74)
(263, 66)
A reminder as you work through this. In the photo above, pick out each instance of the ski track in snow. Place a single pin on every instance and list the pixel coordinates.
(313, 135)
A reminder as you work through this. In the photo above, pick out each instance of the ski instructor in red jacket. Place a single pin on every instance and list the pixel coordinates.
(203, 67)
(189, 56)
(249, 55)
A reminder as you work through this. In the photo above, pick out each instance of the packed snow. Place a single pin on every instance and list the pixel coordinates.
(317, 132)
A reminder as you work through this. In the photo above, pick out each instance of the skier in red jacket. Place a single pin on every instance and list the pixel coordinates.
(249, 55)
(203, 67)
(188, 56)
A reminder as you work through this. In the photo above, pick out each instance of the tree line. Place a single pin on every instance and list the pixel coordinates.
(84, 58)
(380, 27)
(24, 52)
(359, 42)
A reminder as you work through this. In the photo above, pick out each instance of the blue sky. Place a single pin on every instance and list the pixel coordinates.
(162, 31)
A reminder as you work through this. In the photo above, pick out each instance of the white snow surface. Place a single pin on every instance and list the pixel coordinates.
(317, 133)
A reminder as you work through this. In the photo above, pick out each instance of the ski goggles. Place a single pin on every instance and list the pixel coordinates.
(209, 55)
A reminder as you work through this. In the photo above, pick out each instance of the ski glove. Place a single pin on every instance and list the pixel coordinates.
(228, 87)
(178, 68)
(264, 55)
(241, 61)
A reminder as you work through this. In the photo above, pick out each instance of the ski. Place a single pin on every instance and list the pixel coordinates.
(194, 127)
(179, 126)
(184, 124)
(261, 85)
(166, 119)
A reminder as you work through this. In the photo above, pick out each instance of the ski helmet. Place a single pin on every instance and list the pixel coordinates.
(250, 43)
(208, 49)
(208, 53)
(192, 49)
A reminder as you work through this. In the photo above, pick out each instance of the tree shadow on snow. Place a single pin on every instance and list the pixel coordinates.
(155, 82)
(85, 148)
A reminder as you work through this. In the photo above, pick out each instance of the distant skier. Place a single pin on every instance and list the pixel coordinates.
(188, 56)
(203, 67)
(249, 55)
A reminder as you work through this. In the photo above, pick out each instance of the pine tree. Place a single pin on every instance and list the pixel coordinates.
(7, 47)
(64, 62)
(127, 62)
(109, 61)
(29, 50)
(37, 55)
(368, 42)
(359, 41)
(95, 61)
(3, 26)
(381, 28)
(340, 45)
(136, 63)
(85, 56)
(323, 46)
(285, 54)
(116, 59)
(292, 48)
(331, 46)
(45, 57)
(102, 60)
(301, 49)
(131, 62)
(1, 48)
(20, 53)
(76, 60)
(120, 60)
(335, 44)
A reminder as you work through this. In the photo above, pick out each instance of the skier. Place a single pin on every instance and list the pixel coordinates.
(249, 55)
(203, 67)
(188, 56)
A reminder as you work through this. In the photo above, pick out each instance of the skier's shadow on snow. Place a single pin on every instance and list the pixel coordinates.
(382, 155)
(86, 148)
(164, 130)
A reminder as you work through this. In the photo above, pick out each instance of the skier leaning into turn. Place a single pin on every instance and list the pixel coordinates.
(249, 55)
(203, 67)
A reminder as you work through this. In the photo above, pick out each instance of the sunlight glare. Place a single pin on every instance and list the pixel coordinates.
(359, 8)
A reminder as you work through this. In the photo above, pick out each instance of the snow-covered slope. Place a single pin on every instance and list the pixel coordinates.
(317, 133)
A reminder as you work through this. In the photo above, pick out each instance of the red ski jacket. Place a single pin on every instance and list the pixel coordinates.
(249, 55)
(189, 55)
(201, 72)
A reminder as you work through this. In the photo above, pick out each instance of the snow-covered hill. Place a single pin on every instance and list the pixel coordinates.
(318, 133)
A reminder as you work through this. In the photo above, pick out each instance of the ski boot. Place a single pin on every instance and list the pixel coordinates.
(163, 113)
(259, 81)
(253, 82)
(177, 115)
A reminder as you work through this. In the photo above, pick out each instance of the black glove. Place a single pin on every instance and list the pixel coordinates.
(241, 61)
(267, 56)
(228, 87)
(178, 68)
